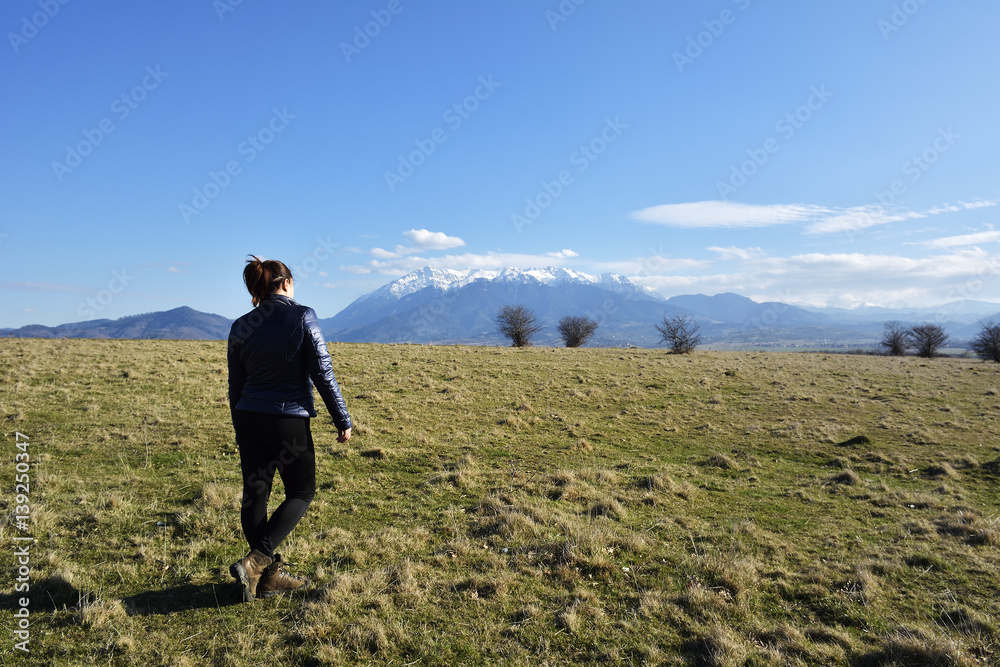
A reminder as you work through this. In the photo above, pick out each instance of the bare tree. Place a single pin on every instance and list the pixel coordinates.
(894, 338)
(575, 331)
(926, 339)
(517, 323)
(680, 332)
(986, 344)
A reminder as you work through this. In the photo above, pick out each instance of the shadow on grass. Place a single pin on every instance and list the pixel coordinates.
(55, 594)
(49, 594)
(183, 598)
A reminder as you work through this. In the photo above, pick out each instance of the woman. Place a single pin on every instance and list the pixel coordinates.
(276, 355)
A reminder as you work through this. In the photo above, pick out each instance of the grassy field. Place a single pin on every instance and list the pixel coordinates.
(541, 506)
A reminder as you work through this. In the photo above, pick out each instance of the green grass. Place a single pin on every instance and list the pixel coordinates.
(495, 506)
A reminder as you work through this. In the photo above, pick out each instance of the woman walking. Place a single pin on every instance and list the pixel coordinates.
(276, 355)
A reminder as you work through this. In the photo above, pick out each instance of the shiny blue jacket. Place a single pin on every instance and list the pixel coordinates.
(276, 354)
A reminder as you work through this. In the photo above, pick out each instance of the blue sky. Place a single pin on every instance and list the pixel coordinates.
(814, 153)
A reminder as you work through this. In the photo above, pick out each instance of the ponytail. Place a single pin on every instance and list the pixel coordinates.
(264, 277)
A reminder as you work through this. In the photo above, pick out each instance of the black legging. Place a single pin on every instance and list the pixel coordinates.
(267, 443)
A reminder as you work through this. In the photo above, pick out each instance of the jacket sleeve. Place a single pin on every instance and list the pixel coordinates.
(321, 371)
(237, 373)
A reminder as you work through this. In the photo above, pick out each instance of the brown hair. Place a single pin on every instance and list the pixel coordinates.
(264, 277)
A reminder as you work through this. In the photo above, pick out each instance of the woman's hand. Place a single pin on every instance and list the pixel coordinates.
(343, 436)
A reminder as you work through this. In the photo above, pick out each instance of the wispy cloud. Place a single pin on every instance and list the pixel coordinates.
(39, 286)
(398, 266)
(727, 214)
(818, 219)
(734, 253)
(857, 218)
(863, 217)
(963, 206)
(963, 240)
(651, 265)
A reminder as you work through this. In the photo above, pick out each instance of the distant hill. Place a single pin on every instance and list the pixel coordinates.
(182, 323)
(446, 307)
(968, 311)
(733, 308)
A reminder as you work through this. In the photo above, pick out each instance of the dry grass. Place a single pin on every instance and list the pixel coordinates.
(520, 507)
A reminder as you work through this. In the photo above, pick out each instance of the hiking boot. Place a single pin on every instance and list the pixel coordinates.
(248, 571)
(275, 580)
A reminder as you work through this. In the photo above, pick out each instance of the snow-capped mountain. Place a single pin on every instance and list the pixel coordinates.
(415, 281)
(442, 305)
(447, 279)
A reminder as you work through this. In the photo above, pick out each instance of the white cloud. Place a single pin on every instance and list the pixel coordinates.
(401, 265)
(727, 214)
(44, 287)
(421, 239)
(963, 206)
(379, 253)
(650, 266)
(823, 279)
(819, 219)
(844, 279)
(862, 217)
(963, 240)
(734, 253)
(427, 240)
(562, 254)
(859, 217)
(954, 270)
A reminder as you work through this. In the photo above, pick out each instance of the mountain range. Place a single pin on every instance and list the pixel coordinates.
(445, 306)
(182, 323)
